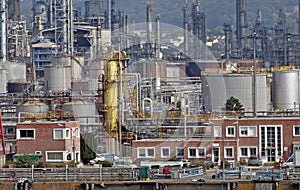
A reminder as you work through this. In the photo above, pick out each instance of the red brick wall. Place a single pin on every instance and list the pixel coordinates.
(44, 138)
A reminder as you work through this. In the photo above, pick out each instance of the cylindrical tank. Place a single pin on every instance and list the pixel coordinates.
(150, 69)
(3, 84)
(33, 106)
(175, 70)
(58, 78)
(15, 71)
(83, 110)
(75, 62)
(61, 60)
(77, 65)
(285, 89)
(216, 89)
(95, 72)
(111, 97)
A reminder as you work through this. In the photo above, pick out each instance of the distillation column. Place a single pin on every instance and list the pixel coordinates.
(241, 25)
(228, 40)
(186, 28)
(3, 12)
(113, 101)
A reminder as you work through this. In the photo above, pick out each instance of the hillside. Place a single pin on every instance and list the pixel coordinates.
(217, 11)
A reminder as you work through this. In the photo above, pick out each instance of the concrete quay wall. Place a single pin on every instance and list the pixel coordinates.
(152, 185)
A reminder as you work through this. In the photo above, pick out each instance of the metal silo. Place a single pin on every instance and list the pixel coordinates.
(15, 71)
(3, 85)
(149, 69)
(58, 78)
(32, 106)
(217, 88)
(75, 62)
(285, 89)
(83, 110)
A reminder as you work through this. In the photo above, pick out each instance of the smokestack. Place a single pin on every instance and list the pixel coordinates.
(3, 30)
(186, 28)
(157, 36)
(109, 14)
(149, 22)
(241, 24)
(14, 10)
(258, 21)
(228, 40)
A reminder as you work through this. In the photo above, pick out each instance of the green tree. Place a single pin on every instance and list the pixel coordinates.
(233, 104)
(88, 147)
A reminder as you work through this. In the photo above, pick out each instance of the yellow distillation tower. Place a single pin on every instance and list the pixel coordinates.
(113, 95)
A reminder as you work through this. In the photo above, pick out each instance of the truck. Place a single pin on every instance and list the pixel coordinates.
(293, 160)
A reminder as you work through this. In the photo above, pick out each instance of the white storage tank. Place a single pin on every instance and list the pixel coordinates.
(83, 110)
(58, 78)
(75, 62)
(15, 71)
(285, 90)
(3, 78)
(33, 106)
(217, 88)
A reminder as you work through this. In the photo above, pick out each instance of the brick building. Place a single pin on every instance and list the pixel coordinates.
(235, 138)
(55, 141)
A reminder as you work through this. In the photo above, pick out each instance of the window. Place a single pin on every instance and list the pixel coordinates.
(141, 152)
(67, 133)
(192, 152)
(244, 152)
(253, 151)
(58, 134)
(179, 152)
(165, 152)
(25, 133)
(296, 131)
(228, 152)
(217, 131)
(248, 131)
(201, 152)
(61, 134)
(230, 131)
(247, 151)
(146, 152)
(195, 152)
(150, 152)
(54, 156)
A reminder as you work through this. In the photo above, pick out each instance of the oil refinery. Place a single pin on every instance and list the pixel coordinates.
(147, 91)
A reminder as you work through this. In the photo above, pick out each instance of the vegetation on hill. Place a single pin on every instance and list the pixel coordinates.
(217, 11)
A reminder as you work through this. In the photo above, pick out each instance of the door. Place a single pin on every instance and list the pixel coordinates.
(216, 155)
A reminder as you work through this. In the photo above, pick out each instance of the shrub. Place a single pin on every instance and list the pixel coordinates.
(106, 163)
(24, 161)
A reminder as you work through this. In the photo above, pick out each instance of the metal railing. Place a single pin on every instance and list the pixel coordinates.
(68, 174)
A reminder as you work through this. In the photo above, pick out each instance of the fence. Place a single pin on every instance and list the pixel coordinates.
(68, 174)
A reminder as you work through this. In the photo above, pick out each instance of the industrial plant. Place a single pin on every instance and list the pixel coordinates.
(146, 91)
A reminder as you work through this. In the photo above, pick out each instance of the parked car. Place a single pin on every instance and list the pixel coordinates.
(124, 164)
(198, 180)
(254, 161)
(97, 160)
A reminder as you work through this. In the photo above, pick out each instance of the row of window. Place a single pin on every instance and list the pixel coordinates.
(149, 152)
(193, 152)
(59, 156)
(246, 131)
(58, 133)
